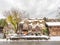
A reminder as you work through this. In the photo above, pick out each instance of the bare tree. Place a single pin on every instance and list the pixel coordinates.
(58, 13)
(13, 16)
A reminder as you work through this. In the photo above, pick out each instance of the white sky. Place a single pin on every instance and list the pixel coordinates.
(35, 8)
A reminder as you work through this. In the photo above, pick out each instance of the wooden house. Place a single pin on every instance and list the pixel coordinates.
(54, 28)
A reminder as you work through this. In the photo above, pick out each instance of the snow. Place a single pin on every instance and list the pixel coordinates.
(53, 23)
(54, 38)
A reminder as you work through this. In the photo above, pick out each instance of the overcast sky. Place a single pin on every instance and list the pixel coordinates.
(35, 8)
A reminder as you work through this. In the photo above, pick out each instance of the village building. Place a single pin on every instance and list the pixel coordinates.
(54, 28)
(34, 26)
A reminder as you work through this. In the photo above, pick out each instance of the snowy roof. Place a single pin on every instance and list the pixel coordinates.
(53, 23)
(22, 22)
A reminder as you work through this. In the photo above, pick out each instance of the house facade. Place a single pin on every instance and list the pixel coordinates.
(35, 26)
(54, 28)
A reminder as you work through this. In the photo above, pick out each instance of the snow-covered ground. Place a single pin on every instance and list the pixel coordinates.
(53, 38)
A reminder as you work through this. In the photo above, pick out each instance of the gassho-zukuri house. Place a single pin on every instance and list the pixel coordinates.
(54, 28)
